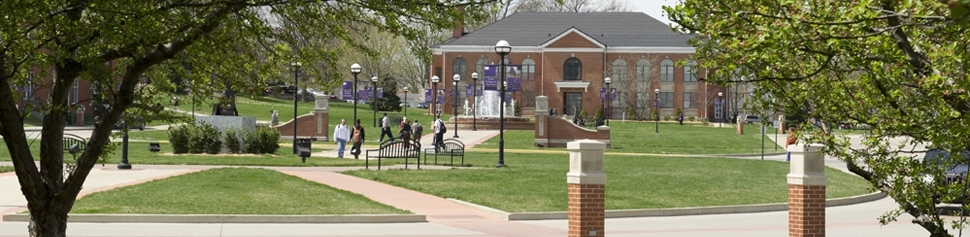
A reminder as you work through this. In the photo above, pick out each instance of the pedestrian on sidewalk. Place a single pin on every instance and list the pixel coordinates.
(386, 129)
(175, 102)
(341, 134)
(439, 132)
(405, 132)
(358, 139)
(791, 140)
(416, 131)
(274, 118)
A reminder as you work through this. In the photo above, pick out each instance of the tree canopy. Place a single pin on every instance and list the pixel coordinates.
(118, 45)
(898, 66)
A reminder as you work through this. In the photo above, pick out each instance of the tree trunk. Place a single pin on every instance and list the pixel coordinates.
(48, 223)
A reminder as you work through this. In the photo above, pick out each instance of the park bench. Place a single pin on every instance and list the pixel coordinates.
(70, 140)
(451, 147)
(394, 149)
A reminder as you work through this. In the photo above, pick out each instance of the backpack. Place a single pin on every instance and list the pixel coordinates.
(442, 129)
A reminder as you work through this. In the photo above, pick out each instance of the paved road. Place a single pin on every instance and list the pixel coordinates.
(446, 218)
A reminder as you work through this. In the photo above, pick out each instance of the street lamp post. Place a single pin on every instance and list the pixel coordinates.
(406, 103)
(720, 105)
(502, 48)
(373, 98)
(296, 76)
(454, 104)
(124, 165)
(657, 123)
(475, 99)
(606, 101)
(355, 69)
(434, 94)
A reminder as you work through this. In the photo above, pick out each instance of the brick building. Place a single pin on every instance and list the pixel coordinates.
(80, 98)
(566, 56)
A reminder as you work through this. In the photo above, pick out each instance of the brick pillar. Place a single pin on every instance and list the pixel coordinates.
(806, 191)
(781, 124)
(587, 188)
(321, 110)
(542, 116)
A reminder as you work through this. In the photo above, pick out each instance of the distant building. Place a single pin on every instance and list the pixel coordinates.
(566, 56)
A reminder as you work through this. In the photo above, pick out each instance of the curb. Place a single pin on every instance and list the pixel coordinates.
(175, 218)
(670, 211)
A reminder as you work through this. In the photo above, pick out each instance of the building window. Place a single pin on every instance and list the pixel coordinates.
(573, 102)
(643, 99)
(666, 99)
(74, 93)
(480, 66)
(619, 82)
(689, 98)
(458, 67)
(667, 70)
(572, 70)
(643, 70)
(528, 83)
(690, 71)
(29, 92)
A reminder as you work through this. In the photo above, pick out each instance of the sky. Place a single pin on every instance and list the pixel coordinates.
(653, 7)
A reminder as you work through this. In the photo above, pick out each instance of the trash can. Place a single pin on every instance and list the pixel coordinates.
(304, 143)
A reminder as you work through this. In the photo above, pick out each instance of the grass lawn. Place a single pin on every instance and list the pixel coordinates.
(231, 191)
(138, 154)
(536, 182)
(5, 169)
(640, 137)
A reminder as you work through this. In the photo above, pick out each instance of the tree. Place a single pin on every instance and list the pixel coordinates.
(116, 44)
(899, 66)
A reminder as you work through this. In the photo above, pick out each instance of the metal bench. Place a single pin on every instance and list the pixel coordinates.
(70, 141)
(394, 149)
(451, 147)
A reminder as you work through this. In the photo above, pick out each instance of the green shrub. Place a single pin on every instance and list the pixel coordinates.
(231, 137)
(667, 118)
(270, 138)
(655, 114)
(262, 140)
(180, 138)
(677, 111)
(631, 113)
(691, 118)
(251, 142)
(195, 138)
(209, 137)
(583, 114)
(598, 115)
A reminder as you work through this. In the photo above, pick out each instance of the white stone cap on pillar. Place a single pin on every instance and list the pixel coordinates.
(322, 103)
(586, 162)
(807, 166)
(542, 105)
(603, 128)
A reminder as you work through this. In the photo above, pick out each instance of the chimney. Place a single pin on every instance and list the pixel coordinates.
(459, 29)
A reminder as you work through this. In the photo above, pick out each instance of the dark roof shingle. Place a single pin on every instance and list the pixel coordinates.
(613, 29)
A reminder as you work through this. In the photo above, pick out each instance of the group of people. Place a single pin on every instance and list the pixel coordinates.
(356, 135)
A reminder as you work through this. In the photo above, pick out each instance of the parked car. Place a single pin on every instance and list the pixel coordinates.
(752, 119)
(138, 123)
(423, 105)
(956, 169)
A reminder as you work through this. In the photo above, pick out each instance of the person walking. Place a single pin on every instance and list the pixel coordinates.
(386, 129)
(416, 131)
(274, 118)
(341, 134)
(357, 139)
(405, 132)
(175, 102)
(439, 132)
(681, 119)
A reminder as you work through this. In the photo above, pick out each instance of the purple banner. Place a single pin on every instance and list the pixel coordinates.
(468, 89)
(515, 84)
(490, 79)
(348, 91)
(508, 98)
(363, 94)
(380, 92)
(603, 93)
(427, 95)
(441, 96)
